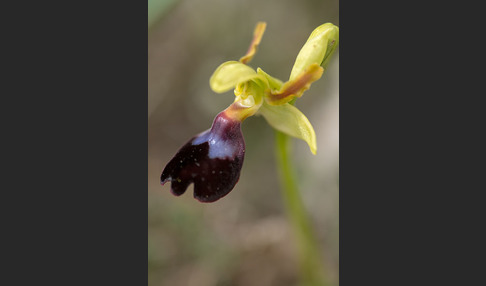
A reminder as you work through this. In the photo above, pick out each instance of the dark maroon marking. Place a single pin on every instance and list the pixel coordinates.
(213, 178)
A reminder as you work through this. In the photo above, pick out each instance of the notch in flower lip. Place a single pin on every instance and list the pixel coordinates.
(211, 160)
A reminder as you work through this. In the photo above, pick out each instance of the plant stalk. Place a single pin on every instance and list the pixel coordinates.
(311, 267)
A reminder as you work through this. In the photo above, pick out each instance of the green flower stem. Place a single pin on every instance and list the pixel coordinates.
(312, 270)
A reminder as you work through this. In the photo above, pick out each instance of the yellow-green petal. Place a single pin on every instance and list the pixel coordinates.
(257, 37)
(288, 119)
(318, 49)
(229, 74)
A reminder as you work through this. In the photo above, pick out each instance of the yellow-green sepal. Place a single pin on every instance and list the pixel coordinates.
(274, 83)
(317, 50)
(332, 45)
(230, 74)
(288, 119)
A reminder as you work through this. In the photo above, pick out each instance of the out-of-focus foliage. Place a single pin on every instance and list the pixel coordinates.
(244, 238)
(156, 9)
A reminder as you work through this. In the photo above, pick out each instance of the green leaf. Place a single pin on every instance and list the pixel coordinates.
(288, 119)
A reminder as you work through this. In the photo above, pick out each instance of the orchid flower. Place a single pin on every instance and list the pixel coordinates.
(213, 159)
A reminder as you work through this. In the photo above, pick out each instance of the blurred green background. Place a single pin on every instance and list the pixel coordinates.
(244, 238)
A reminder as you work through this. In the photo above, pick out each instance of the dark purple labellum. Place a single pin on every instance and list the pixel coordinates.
(212, 161)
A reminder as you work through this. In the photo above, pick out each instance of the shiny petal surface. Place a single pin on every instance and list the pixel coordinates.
(212, 161)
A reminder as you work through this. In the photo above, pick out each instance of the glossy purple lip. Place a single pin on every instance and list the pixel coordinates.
(212, 161)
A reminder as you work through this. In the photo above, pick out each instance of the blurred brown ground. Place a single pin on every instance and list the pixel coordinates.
(244, 238)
